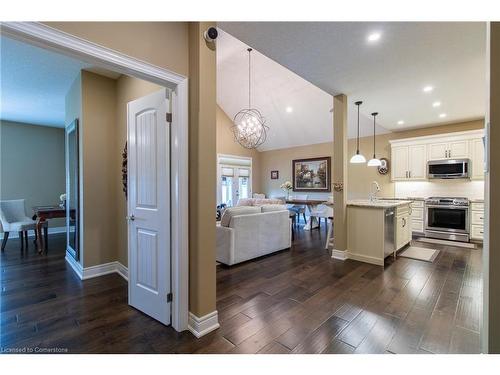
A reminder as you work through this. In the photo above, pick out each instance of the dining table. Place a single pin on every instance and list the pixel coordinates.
(41, 215)
(311, 204)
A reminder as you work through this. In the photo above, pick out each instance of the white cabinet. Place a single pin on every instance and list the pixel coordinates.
(409, 162)
(417, 162)
(417, 217)
(410, 156)
(477, 221)
(438, 151)
(403, 226)
(400, 163)
(458, 149)
(477, 158)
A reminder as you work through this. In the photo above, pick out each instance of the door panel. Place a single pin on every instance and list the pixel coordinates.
(458, 149)
(437, 151)
(477, 156)
(399, 163)
(417, 162)
(149, 205)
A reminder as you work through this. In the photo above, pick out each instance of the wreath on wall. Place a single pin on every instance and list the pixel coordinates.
(124, 170)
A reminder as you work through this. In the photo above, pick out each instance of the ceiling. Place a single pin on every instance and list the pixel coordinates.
(388, 75)
(34, 82)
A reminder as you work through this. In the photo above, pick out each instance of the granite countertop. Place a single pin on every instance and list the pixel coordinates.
(379, 203)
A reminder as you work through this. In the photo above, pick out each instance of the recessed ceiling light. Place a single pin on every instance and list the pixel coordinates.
(401, 122)
(442, 115)
(373, 37)
(436, 104)
(428, 88)
(289, 109)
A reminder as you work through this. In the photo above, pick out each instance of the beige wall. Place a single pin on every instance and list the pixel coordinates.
(127, 89)
(359, 175)
(202, 171)
(281, 160)
(164, 44)
(32, 165)
(227, 145)
(99, 145)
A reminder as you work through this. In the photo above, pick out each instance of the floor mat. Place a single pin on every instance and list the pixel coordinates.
(420, 253)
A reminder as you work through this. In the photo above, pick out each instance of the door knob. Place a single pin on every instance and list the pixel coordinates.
(131, 217)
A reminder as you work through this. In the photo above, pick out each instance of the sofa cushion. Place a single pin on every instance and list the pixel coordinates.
(245, 202)
(273, 207)
(236, 211)
(262, 202)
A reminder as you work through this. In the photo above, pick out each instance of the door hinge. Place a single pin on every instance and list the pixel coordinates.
(169, 297)
(169, 117)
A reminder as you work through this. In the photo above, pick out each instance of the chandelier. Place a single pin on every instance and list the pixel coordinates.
(249, 127)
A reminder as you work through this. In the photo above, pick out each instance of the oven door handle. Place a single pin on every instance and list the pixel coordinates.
(447, 207)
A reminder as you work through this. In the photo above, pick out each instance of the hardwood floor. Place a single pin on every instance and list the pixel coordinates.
(295, 301)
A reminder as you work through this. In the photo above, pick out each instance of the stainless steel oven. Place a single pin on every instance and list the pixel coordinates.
(447, 218)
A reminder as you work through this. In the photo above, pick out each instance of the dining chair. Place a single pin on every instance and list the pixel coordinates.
(299, 209)
(13, 218)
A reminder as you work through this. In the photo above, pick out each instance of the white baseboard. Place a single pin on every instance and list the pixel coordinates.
(98, 270)
(366, 259)
(53, 230)
(339, 254)
(203, 325)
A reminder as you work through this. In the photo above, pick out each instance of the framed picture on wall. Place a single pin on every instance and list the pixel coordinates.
(312, 174)
(275, 175)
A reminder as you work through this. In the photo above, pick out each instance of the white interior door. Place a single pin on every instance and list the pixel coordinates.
(149, 205)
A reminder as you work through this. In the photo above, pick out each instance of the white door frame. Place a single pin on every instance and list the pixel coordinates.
(49, 38)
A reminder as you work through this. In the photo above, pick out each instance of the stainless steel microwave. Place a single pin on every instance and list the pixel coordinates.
(448, 168)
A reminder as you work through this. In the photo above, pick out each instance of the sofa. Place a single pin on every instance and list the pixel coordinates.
(248, 232)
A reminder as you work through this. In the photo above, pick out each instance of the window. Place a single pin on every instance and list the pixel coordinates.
(235, 180)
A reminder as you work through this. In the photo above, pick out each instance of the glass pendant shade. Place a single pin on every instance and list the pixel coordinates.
(358, 158)
(374, 162)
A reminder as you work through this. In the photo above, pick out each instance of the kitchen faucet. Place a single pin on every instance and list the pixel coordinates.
(375, 188)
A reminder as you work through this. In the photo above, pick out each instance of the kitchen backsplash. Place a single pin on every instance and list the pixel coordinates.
(442, 188)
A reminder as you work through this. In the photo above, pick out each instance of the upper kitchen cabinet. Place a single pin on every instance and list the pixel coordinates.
(458, 149)
(477, 158)
(408, 162)
(410, 155)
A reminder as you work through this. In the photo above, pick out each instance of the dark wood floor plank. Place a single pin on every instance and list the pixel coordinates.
(295, 301)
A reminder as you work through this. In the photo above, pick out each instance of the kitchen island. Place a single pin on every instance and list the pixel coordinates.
(377, 229)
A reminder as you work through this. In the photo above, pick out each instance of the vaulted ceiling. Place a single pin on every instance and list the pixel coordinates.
(302, 65)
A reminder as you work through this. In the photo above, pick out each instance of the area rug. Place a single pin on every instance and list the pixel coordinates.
(420, 253)
(467, 245)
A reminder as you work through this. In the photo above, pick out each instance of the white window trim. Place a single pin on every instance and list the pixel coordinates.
(52, 39)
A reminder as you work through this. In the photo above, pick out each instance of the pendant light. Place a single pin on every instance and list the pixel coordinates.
(374, 162)
(249, 127)
(358, 158)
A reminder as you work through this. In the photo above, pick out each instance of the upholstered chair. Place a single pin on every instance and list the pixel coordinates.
(13, 218)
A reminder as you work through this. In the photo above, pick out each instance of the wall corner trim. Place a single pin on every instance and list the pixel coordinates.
(200, 326)
(339, 254)
(77, 267)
